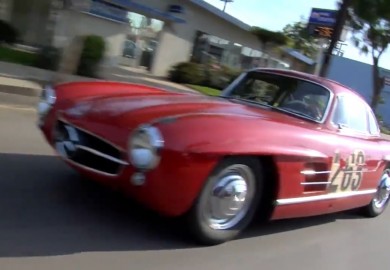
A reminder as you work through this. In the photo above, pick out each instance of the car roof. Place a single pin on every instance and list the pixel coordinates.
(334, 86)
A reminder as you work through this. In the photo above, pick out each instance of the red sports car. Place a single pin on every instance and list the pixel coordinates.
(276, 143)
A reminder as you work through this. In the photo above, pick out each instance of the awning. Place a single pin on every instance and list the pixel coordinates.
(301, 57)
(146, 10)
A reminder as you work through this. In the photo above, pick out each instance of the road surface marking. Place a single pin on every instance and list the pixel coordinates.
(16, 107)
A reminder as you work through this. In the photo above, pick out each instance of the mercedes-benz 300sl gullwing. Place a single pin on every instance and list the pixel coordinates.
(276, 143)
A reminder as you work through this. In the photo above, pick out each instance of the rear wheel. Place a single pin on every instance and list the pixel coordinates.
(379, 203)
(227, 202)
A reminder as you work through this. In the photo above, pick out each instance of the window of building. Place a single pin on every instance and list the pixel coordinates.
(208, 48)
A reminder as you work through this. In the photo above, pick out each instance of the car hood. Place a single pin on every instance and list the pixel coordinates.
(135, 110)
(119, 115)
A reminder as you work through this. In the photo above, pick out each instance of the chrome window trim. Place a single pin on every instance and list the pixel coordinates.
(231, 87)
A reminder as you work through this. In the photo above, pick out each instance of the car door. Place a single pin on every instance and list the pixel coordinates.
(354, 172)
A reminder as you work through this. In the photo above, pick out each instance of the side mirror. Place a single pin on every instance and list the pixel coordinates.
(341, 126)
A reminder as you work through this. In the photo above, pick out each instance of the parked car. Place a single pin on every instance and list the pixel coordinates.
(276, 144)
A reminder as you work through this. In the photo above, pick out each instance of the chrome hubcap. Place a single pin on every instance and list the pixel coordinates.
(230, 198)
(383, 192)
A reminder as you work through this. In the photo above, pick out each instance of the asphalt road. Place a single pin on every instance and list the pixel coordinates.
(52, 219)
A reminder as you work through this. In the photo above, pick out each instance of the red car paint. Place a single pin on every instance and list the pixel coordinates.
(199, 131)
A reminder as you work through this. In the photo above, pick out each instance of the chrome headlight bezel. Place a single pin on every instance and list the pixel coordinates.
(48, 95)
(47, 100)
(144, 147)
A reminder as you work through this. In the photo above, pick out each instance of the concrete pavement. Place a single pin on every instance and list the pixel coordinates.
(27, 81)
(52, 219)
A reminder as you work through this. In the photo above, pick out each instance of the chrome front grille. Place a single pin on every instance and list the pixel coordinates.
(87, 150)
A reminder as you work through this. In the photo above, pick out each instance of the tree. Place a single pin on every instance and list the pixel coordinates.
(268, 38)
(370, 23)
(299, 38)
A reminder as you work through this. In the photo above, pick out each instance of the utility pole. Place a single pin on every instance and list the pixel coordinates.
(225, 3)
(340, 21)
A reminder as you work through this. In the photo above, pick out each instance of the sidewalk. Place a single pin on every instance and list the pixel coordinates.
(27, 81)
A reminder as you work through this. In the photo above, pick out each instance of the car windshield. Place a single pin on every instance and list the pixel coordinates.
(286, 94)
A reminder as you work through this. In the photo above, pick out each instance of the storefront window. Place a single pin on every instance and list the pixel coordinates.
(143, 39)
(208, 48)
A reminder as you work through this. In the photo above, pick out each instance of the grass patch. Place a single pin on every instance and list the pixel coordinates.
(17, 56)
(205, 90)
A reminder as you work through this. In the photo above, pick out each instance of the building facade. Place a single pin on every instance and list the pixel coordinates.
(358, 76)
(150, 33)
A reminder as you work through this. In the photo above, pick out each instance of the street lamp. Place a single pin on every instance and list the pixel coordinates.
(226, 1)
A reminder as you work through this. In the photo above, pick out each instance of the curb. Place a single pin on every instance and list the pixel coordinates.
(18, 100)
(19, 90)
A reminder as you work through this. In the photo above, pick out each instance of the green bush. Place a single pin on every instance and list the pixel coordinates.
(230, 73)
(187, 72)
(8, 33)
(92, 53)
(48, 58)
(17, 56)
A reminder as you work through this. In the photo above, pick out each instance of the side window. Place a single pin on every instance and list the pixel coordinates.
(374, 128)
(351, 113)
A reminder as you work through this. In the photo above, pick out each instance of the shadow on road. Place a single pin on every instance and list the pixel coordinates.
(46, 209)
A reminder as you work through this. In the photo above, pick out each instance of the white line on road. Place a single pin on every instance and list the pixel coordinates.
(16, 107)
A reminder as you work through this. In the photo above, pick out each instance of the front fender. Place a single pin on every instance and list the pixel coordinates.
(239, 135)
(92, 89)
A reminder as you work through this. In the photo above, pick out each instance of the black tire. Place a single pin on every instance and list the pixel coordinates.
(200, 229)
(373, 209)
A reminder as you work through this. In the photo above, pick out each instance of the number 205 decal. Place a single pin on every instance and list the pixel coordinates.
(350, 177)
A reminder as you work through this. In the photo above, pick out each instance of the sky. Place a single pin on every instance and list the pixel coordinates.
(275, 14)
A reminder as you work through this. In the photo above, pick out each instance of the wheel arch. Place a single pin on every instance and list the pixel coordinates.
(271, 182)
(271, 187)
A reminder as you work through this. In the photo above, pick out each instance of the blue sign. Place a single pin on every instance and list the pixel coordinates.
(323, 17)
(99, 8)
(143, 9)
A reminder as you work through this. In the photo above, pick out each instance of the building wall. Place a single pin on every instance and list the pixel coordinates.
(176, 40)
(5, 10)
(114, 33)
(30, 18)
(358, 76)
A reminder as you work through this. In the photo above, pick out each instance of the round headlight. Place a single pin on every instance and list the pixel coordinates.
(144, 147)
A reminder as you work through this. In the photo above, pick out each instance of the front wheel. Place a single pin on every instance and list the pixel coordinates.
(379, 203)
(227, 202)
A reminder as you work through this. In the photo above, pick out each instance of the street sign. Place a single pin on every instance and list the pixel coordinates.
(323, 31)
(323, 17)
(321, 22)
